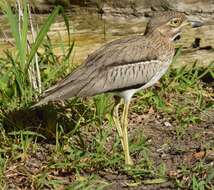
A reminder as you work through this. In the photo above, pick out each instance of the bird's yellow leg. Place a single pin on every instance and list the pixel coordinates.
(117, 121)
(128, 160)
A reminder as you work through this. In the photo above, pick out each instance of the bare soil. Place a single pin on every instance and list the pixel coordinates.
(165, 146)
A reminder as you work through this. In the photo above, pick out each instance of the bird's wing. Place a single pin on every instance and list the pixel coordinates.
(118, 65)
(121, 77)
(121, 65)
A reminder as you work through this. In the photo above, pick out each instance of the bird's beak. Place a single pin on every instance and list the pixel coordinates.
(195, 23)
(192, 23)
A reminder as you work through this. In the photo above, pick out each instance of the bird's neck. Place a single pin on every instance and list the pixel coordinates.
(159, 39)
(163, 46)
(157, 35)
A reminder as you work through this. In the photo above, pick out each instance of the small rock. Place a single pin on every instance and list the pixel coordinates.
(167, 124)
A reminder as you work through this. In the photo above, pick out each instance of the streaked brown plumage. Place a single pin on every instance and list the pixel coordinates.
(124, 66)
(114, 67)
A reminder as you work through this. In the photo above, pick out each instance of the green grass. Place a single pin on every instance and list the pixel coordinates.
(85, 147)
(76, 146)
(20, 73)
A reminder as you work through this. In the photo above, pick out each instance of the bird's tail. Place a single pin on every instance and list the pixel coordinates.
(57, 93)
(66, 88)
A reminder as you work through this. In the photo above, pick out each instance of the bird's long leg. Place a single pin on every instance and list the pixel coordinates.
(117, 120)
(124, 121)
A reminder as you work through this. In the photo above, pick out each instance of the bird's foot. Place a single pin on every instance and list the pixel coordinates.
(129, 161)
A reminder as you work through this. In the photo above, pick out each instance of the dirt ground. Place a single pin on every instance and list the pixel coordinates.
(165, 146)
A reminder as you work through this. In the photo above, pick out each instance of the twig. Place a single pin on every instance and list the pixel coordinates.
(20, 16)
(38, 75)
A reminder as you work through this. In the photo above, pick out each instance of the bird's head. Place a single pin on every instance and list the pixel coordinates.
(169, 24)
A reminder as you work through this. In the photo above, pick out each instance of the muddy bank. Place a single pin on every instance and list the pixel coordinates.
(95, 23)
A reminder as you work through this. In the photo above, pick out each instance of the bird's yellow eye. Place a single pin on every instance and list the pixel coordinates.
(175, 22)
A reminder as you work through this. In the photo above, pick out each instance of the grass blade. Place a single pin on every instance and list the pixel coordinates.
(42, 33)
(24, 32)
(13, 22)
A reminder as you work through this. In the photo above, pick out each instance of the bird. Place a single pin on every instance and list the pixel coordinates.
(124, 67)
